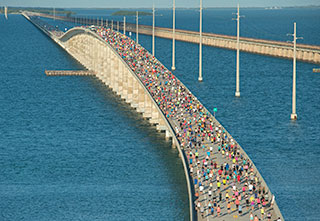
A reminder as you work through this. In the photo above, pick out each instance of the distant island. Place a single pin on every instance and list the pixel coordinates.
(58, 11)
(130, 13)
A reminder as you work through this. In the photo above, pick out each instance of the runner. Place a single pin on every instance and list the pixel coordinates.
(218, 211)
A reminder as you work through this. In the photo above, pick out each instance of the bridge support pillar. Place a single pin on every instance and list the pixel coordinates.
(79, 49)
(101, 61)
(112, 70)
(316, 57)
(141, 95)
(300, 54)
(174, 144)
(90, 55)
(116, 74)
(124, 83)
(168, 134)
(135, 93)
(94, 56)
(154, 115)
(161, 125)
(130, 87)
(310, 57)
(104, 65)
(85, 52)
(108, 61)
(120, 78)
(147, 107)
(287, 53)
(98, 60)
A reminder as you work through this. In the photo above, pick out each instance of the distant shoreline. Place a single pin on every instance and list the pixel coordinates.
(148, 8)
(130, 13)
(17, 10)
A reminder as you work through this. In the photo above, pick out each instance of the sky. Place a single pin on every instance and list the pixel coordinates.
(158, 3)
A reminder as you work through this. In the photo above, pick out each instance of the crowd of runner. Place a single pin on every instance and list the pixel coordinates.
(224, 179)
(222, 174)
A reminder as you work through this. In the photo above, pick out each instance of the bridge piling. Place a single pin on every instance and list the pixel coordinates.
(104, 65)
(95, 55)
(116, 74)
(141, 99)
(109, 67)
(120, 79)
(88, 62)
(168, 135)
(130, 86)
(154, 115)
(161, 126)
(125, 84)
(147, 107)
(113, 68)
(100, 62)
(135, 94)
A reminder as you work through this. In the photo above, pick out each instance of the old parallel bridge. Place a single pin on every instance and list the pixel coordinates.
(215, 165)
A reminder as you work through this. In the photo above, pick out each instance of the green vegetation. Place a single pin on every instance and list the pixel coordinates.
(130, 13)
(15, 10)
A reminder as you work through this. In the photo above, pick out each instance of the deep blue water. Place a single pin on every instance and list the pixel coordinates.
(59, 144)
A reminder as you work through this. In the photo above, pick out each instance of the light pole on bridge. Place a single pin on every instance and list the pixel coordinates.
(124, 25)
(237, 94)
(294, 115)
(173, 35)
(6, 12)
(200, 44)
(153, 27)
(137, 28)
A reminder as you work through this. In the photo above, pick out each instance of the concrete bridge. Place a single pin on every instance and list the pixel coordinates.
(203, 143)
(306, 53)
